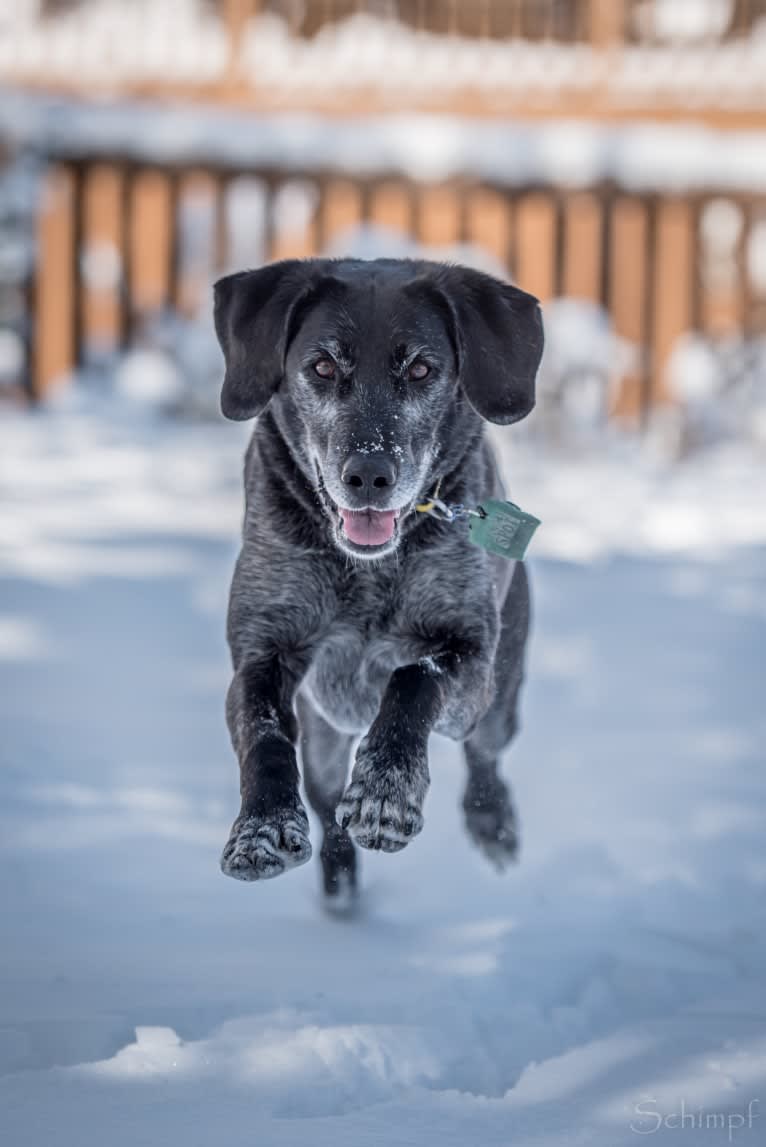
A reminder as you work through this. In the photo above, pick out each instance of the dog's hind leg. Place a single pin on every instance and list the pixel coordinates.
(326, 754)
(490, 818)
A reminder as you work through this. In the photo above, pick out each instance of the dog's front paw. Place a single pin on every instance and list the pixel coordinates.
(382, 805)
(260, 847)
(491, 821)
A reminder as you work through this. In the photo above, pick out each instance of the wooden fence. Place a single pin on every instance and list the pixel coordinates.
(562, 21)
(112, 250)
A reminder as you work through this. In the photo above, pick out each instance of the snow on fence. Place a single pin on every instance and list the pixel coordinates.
(598, 55)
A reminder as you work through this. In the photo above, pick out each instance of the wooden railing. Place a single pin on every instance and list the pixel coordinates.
(479, 57)
(561, 21)
(112, 250)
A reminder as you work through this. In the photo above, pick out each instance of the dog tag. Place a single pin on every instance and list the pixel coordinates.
(505, 529)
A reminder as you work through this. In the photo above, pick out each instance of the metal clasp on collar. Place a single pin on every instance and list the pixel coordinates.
(448, 512)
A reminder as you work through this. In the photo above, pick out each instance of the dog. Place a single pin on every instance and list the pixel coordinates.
(352, 614)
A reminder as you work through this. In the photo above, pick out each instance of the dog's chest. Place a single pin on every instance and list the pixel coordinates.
(353, 662)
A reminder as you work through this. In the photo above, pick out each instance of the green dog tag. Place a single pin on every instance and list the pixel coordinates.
(505, 529)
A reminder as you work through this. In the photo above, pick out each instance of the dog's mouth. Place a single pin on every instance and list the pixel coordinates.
(367, 532)
(368, 527)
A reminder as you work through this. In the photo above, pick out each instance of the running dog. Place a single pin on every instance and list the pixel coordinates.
(351, 614)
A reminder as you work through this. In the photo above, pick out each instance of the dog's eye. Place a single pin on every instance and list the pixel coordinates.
(325, 368)
(418, 370)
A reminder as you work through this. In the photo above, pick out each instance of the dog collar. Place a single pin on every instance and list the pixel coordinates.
(500, 527)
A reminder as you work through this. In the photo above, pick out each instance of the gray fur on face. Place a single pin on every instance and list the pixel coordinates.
(420, 632)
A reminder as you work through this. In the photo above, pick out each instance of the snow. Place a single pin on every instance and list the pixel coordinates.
(614, 978)
(19, 199)
(584, 361)
(376, 241)
(720, 388)
(685, 21)
(639, 155)
(11, 355)
(683, 53)
(143, 376)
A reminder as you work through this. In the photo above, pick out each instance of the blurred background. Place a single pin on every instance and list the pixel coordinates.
(603, 152)
(608, 156)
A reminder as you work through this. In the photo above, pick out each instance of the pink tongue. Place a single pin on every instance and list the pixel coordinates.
(369, 527)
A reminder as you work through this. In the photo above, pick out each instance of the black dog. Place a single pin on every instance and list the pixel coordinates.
(348, 608)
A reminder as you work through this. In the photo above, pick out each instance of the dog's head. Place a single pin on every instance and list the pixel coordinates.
(376, 372)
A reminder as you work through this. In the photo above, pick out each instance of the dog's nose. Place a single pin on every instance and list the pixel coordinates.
(368, 473)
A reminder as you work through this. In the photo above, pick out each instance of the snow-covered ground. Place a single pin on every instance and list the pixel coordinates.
(609, 986)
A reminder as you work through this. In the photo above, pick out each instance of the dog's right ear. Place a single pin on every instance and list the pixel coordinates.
(252, 312)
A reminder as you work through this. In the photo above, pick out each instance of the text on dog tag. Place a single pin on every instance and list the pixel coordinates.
(505, 529)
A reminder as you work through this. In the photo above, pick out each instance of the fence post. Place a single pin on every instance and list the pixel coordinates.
(29, 330)
(237, 15)
(649, 357)
(79, 174)
(605, 277)
(126, 258)
(173, 297)
(221, 224)
(559, 242)
(747, 300)
(608, 28)
(607, 23)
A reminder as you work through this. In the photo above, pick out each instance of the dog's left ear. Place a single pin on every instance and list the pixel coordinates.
(499, 343)
(253, 312)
